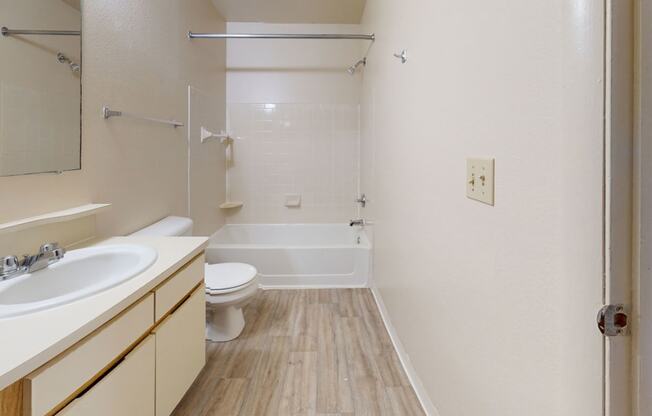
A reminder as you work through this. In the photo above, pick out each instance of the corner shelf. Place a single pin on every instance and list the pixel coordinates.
(231, 205)
(53, 217)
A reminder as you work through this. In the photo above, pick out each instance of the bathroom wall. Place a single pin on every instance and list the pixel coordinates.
(494, 305)
(296, 111)
(292, 71)
(39, 97)
(136, 58)
(311, 150)
(207, 163)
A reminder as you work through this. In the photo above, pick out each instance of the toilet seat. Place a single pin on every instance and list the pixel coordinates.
(224, 278)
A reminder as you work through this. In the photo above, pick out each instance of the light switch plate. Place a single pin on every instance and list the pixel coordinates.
(480, 180)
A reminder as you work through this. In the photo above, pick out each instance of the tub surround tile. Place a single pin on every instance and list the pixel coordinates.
(306, 149)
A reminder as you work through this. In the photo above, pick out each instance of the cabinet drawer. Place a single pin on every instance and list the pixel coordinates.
(63, 377)
(128, 390)
(180, 351)
(170, 292)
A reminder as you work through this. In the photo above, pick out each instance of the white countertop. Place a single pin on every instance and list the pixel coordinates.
(29, 341)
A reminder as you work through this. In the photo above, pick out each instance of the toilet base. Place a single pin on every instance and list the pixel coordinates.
(224, 324)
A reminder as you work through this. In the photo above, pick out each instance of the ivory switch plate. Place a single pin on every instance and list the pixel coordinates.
(480, 180)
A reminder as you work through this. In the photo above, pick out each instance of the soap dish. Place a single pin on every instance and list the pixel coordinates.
(231, 205)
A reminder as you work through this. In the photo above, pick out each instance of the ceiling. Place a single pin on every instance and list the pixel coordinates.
(291, 11)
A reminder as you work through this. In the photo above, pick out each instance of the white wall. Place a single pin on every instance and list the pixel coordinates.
(136, 58)
(495, 306)
(292, 71)
(207, 164)
(296, 110)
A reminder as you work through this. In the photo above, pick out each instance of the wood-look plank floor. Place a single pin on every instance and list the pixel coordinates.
(304, 352)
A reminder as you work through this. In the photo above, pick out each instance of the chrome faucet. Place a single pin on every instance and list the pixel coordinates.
(48, 254)
(359, 222)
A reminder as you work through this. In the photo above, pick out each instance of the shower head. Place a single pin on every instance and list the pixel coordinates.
(351, 70)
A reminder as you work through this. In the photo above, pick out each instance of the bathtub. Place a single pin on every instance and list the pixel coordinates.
(296, 255)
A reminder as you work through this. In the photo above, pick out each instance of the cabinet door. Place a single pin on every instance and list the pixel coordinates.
(128, 390)
(170, 292)
(180, 351)
(64, 376)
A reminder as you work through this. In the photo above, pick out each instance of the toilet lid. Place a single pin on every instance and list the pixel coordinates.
(228, 275)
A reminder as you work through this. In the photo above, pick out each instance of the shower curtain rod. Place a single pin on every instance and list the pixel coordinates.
(338, 36)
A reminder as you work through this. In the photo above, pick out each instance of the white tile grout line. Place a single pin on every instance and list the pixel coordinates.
(419, 389)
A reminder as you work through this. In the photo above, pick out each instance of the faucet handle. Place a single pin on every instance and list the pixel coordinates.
(48, 248)
(58, 253)
(8, 265)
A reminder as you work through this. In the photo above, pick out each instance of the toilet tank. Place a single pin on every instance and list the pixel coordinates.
(167, 227)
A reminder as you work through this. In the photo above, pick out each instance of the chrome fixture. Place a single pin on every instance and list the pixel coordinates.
(351, 70)
(48, 254)
(108, 113)
(10, 32)
(207, 135)
(360, 223)
(362, 200)
(9, 266)
(402, 56)
(74, 67)
(332, 36)
(613, 320)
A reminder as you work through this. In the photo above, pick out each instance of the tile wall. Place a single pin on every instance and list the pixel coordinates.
(287, 149)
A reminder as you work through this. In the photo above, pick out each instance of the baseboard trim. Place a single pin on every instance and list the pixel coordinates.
(303, 287)
(426, 404)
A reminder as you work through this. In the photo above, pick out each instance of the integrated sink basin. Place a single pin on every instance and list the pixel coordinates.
(81, 273)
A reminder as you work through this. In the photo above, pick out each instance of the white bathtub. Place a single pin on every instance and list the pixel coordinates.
(296, 255)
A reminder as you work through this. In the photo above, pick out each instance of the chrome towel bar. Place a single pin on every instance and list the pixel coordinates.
(108, 113)
(9, 32)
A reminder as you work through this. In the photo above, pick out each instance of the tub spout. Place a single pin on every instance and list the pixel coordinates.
(359, 222)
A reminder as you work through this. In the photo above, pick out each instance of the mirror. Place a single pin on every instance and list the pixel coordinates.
(40, 86)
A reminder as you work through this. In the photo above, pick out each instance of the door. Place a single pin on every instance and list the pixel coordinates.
(180, 351)
(619, 127)
(642, 331)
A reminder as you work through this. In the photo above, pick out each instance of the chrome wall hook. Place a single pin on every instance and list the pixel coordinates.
(402, 56)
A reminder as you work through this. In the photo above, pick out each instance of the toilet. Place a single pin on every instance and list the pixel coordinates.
(228, 286)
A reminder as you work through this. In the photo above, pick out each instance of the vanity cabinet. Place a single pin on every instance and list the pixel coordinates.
(180, 351)
(128, 389)
(72, 371)
(140, 363)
